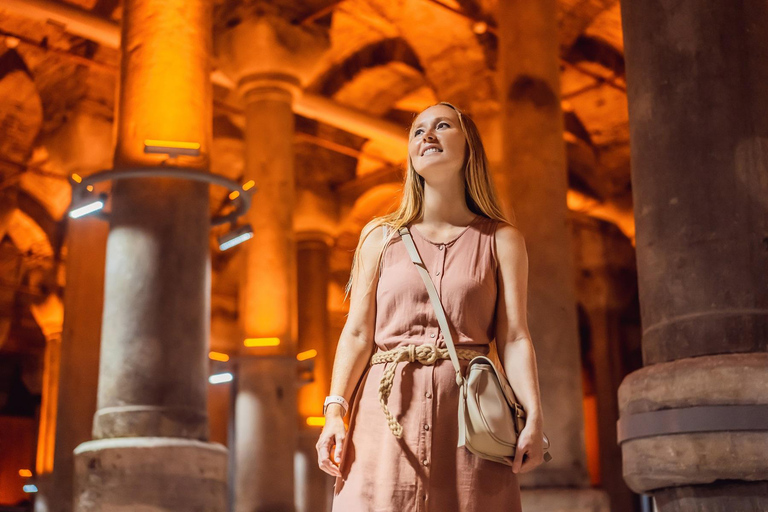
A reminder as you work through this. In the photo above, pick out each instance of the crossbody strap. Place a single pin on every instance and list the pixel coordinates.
(439, 311)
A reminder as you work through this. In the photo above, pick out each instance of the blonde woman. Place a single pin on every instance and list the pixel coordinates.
(400, 453)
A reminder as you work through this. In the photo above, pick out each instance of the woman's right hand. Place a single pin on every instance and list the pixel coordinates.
(331, 442)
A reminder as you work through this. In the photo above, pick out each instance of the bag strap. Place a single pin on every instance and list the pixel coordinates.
(443, 321)
(439, 311)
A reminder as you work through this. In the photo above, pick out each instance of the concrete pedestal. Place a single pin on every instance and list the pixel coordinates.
(149, 474)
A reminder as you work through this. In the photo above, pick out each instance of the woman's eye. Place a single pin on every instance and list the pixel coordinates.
(442, 123)
(418, 131)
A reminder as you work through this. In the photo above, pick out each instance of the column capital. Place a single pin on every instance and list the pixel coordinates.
(49, 315)
(269, 54)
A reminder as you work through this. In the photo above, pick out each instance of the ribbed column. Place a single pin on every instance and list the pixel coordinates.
(151, 421)
(699, 140)
(533, 181)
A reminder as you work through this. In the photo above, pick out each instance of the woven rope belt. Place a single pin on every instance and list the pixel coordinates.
(424, 354)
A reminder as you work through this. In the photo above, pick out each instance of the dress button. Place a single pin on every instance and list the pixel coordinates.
(438, 273)
(442, 247)
(425, 462)
(432, 335)
(428, 394)
(426, 427)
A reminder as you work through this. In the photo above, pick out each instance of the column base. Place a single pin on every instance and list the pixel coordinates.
(716, 497)
(150, 474)
(563, 499)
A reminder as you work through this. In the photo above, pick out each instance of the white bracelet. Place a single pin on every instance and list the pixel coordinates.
(336, 399)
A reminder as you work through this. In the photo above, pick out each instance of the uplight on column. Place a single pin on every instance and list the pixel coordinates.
(261, 342)
(88, 205)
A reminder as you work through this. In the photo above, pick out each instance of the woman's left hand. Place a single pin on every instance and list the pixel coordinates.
(530, 449)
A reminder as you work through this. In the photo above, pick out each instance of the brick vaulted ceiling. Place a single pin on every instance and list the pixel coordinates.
(389, 58)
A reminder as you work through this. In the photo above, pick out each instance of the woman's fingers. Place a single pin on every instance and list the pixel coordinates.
(518, 460)
(339, 448)
(324, 461)
(530, 463)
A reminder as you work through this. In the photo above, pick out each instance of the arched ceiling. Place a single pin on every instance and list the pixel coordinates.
(387, 58)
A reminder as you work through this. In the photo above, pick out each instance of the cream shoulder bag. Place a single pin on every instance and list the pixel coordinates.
(490, 417)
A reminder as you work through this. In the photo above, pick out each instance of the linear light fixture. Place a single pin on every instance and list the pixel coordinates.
(220, 378)
(87, 206)
(262, 342)
(235, 237)
(218, 356)
(172, 148)
(307, 354)
(316, 421)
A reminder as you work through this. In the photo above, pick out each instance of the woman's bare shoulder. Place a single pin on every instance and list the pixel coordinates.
(509, 239)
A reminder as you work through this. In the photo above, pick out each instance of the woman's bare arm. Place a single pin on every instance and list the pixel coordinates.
(356, 340)
(514, 340)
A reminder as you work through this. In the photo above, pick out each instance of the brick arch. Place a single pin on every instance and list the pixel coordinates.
(372, 55)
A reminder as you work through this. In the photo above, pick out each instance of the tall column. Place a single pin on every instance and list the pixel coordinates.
(697, 104)
(605, 267)
(533, 183)
(268, 58)
(79, 370)
(150, 450)
(314, 272)
(315, 224)
(49, 315)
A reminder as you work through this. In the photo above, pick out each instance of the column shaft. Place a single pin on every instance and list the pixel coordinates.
(697, 103)
(266, 419)
(533, 181)
(80, 348)
(151, 421)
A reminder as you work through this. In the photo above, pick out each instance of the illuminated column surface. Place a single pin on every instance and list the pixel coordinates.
(697, 102)
(269, 59)
(49, 315)
(150, 449)
(532, 180)
(314, 247)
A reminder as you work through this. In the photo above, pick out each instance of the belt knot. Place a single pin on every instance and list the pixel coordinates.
(425, 354)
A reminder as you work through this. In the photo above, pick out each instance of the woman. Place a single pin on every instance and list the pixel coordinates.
(478, 262)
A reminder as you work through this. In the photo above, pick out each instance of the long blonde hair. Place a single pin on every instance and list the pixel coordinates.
(479, 191)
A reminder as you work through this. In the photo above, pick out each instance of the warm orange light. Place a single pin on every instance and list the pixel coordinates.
(234, 195)
(307, 354)
(262, 342)
(25, 473)
(316, 421)
(480, 27)
(172, 144)
(249, 185)
(89, 188)
(76, 178)
(218, 356)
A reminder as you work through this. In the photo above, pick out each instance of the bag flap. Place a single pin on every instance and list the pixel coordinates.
(502, 380)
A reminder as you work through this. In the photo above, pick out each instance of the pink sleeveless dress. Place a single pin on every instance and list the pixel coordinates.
(425, 470)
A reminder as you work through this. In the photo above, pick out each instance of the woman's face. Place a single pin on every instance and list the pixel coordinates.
(437, 145)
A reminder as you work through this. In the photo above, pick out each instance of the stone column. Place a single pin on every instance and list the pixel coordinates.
(315, 223)
(79, 370)
(150, 427)
(699, 139)
(268, 58)
(533, 182)
(49, 315)
(605, 290)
